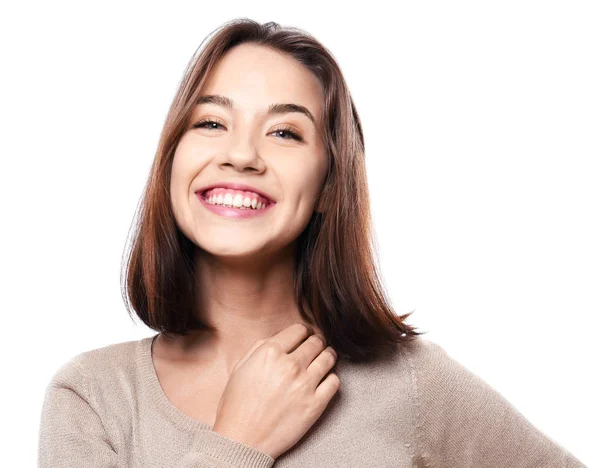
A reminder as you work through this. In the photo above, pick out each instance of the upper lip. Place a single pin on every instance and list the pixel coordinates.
(236, 186)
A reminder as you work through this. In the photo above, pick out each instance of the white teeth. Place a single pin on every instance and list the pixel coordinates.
(238, 201)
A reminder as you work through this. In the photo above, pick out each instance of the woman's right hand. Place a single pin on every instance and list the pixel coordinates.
(275, 394)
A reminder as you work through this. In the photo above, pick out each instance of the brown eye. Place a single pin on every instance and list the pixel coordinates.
(204, 124)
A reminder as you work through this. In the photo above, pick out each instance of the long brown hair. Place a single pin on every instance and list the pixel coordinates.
(337, 279)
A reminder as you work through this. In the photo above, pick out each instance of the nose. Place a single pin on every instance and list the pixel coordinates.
(243, 155)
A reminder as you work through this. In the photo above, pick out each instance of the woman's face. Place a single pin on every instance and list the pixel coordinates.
(249, 147)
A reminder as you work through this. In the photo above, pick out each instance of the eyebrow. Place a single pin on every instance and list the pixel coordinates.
(274, 109)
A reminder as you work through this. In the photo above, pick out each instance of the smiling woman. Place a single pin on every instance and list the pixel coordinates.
(253, 259)
(262, 109)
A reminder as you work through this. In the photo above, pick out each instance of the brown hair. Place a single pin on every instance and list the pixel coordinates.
(337, 279)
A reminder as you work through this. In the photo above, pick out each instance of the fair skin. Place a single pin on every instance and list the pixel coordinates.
(245, 267)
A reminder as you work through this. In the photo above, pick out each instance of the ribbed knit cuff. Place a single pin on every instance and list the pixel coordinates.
(232, 452)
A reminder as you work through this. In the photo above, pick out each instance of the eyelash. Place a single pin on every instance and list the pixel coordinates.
(289, 130)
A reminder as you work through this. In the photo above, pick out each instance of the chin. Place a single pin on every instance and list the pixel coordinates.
(231, 250)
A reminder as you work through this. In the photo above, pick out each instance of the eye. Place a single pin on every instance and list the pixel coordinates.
(289, 131)
(202, 123)
(285, 130)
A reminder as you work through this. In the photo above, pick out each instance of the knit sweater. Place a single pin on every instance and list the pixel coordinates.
(416, 408)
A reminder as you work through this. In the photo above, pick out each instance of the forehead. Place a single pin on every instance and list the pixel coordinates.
(254, 77)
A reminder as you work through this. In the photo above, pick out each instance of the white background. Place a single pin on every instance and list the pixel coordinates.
(482, 126)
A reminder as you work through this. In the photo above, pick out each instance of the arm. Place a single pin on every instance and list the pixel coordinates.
(72, 433)
(464, 422)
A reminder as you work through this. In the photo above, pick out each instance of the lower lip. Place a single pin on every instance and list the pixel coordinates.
(229, 212)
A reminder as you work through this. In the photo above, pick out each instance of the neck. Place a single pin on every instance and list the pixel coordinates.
(245, 301)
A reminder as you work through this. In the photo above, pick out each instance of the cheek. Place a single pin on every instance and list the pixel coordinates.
(182, 173)
(176, 180)
(307, 183)
(304, 169)
(300, 201)
(183, 159)
(187, 162)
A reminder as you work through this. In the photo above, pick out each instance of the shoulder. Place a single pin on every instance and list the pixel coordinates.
(423, 351)
(107, 380)
(448, 396)
(431, 362)
(440, 379)
(99, 361)
(89, 373)
(460, 417)
(90, 398)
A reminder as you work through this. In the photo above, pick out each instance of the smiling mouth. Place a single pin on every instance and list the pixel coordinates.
(237, 199)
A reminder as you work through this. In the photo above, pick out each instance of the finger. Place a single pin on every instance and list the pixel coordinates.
(326, 390)
(310, 349)
(322, 364)
(289, 338)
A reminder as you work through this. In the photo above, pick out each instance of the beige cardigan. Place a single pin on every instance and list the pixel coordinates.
(420, 408)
